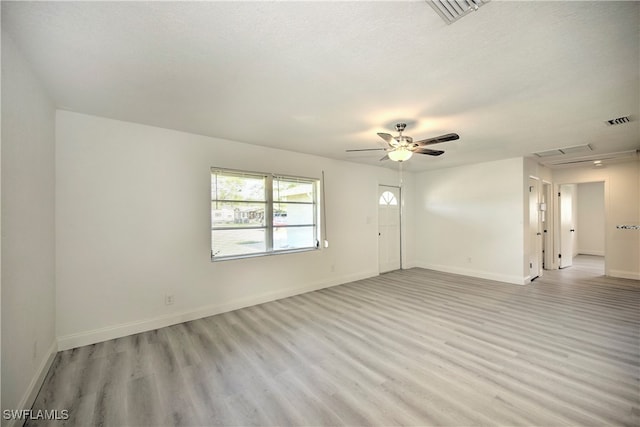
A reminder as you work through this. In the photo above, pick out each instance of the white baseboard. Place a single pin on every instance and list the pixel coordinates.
(514, 280)
(588, 252)
(33, 389)
(625, 274)
(124, 329)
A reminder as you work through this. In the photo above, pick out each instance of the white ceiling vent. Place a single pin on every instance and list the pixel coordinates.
(565, 150)
(452, 10)
(596, 160)
(618, 121)
(549, 153)
(576, 149)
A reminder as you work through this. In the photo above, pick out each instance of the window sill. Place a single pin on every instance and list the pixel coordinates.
(262, 254)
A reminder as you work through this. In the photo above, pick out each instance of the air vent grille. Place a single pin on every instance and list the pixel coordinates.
(618, 121)
(565, 150)
(549, 153)
(596, 160)
(452, 10)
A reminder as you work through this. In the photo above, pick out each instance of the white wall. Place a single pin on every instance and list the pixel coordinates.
(133, 223)
(622, 206)
(28, 232)
(591, 218)
(471, 220)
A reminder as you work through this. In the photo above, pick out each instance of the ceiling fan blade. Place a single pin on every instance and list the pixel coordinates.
(386, 137)
(438, 139)
(366, 149)
(386, 157)
(429, 152)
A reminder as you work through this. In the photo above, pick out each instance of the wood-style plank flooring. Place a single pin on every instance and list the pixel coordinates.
(412, 347)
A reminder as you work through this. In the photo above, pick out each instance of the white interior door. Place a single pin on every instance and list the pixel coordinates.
(545, 219)
(388, 228)
(566, 225)
(535, 234)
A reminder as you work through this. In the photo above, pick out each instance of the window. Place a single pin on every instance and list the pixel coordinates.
(256, 214)
(387, 198)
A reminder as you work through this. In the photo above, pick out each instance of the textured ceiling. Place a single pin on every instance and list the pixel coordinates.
(512, 78)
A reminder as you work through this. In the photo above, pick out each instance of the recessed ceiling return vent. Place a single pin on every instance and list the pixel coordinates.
(452, 10)
(618, 121)
(565, 150)
(596, 160)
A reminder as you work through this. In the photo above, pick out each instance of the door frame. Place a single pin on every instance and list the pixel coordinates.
(556, 218)
(535, 243)
(548, 261)
(566, 260)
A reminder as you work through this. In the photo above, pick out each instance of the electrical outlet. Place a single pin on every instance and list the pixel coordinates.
(168, 299)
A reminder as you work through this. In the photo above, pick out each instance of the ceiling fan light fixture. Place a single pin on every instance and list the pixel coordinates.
(400, 148)
(400, 154)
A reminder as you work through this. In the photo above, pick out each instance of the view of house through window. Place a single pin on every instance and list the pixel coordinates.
(256, 214)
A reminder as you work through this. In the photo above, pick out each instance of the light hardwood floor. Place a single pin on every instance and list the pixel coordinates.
(412, 347)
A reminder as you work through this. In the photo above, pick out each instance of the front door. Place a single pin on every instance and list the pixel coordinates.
(388, 228)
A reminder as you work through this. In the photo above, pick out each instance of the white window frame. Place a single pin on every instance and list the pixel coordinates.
(269, 210)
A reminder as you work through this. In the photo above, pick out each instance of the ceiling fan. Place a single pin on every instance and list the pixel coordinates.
(400, 148)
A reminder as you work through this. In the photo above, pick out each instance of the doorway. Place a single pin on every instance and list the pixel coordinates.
(567, 204)
(591, 229)
(547, 226)
(581, 221)
(535, 233)
(576, 223)
(389, 225)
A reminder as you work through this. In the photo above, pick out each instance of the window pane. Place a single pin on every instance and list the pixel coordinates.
(293, 238)
(292, 191)
(387, 198)
(292, 214)
(237, 242)
(239, 205)
(237, 214)
(237, 187)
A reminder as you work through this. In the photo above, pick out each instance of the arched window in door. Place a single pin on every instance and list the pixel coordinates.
(387, 198)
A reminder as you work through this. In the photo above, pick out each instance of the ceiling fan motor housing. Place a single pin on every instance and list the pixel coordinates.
(402, 141)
